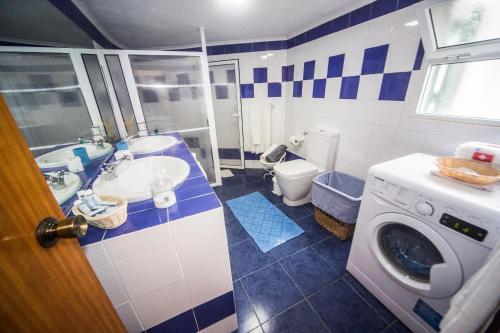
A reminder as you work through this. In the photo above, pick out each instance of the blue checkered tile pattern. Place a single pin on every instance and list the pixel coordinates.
(266, 224)
(393, 86)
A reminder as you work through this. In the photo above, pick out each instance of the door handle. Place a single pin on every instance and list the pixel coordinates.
(49, 230)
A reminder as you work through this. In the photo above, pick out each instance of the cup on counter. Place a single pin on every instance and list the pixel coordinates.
(74, 164)
(162, 189)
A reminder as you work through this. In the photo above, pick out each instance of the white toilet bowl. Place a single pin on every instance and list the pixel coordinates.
(295, 180)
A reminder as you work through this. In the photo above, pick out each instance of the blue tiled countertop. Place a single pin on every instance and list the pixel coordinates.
(194, 195)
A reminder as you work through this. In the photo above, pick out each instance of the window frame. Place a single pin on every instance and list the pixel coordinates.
(472, 52)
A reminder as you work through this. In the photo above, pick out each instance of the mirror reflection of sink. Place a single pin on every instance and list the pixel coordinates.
(133, 178)
(151, 144)
(73, 184)
(57, 158)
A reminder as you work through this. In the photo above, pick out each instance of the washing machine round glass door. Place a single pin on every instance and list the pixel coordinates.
(415, 255)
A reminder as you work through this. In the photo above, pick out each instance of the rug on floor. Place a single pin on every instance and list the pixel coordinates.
(266, 224)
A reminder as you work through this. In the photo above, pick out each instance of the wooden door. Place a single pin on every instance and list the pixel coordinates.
(41, 289)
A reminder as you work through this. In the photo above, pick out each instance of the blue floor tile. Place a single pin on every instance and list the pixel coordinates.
(247, 319)
(313, 230)
(398, 327)
(256, 330)
(309, 271)
(235, 232)
(299, 319)
(270, 291)
(290, 247)
(344, 311)
(335, 252)
(296, 212)
(368, 297)
(234, 273)
(247, 257)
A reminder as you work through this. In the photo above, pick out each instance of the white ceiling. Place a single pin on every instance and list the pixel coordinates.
(141, 24)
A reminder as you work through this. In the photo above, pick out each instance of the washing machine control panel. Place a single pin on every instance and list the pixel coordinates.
(436, 211)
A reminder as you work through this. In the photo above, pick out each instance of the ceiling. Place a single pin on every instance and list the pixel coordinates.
(162, 24)
(167, 23)
(39, 22)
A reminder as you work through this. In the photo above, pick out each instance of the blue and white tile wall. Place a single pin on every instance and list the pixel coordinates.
(360, 74)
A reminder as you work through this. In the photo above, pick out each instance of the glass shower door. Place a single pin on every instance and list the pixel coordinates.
(224, 81)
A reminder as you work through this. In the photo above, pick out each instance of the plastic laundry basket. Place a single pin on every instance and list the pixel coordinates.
(338, 194)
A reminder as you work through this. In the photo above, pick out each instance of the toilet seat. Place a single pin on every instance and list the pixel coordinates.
(295, 169)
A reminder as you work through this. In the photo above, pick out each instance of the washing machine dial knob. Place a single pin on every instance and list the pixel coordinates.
(424, 208)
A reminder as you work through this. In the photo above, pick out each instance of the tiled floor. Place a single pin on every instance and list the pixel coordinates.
(301, 285)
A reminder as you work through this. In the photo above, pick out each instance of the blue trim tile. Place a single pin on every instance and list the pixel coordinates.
(417, 65)
(274, 45)
(93, 235)
(245, 47)
(221, 92)
(319, 87)
(348, 312)
(193, 188)
(394, 86)
(194, 171)
(183, 323)
(214, 310)
(229, 153)
(270, 291)
(359, 15)
(349, 87)
(309, 271)
(246, 257)
(247, 90)
(297, 88)
(259, 46)
(274, 89)
(260, 75)
(135, 222)
(374, 59)
(340, 23)
(335, 66)
(183, 78)
(193, 206)
(382, 7)
(300, 39)
(247, 319)
(309, 70)
(218, 49)
(287, 73)
(139, 206)
(230, 48)
(406, 3)
(299, 319)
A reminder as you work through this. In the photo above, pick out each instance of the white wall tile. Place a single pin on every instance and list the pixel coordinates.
(353, 63)
(197, 225)
(332, 91)
(307, 88)
(112, 284)
(96, 255)
(149, 271)
(375, 156)
(408, 142)
(260, 90)
(490, 134)
(210, 284)
(382, 137)
(132, 244)
(129, 318)
(226, 325)
(387, 113)
(369, 86)
(161, 305)
(441, 145)
(321, 67)
(401, 56)
(197, 254)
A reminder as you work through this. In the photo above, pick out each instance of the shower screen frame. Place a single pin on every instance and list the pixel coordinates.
(75, 55)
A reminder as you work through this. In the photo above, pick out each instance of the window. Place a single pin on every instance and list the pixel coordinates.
(462, 44)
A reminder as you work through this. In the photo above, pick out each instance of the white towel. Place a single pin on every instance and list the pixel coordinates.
(474, 304)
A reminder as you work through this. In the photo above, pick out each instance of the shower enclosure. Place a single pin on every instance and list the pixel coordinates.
(56, 94)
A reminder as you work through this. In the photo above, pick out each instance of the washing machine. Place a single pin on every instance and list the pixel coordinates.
(419, 237)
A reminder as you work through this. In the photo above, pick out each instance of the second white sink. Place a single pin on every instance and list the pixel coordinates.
(73, 184)
(133, 178)
(151, 144)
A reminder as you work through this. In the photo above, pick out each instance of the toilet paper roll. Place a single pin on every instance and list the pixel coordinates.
(296, 139)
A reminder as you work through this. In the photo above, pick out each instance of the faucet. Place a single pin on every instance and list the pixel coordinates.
(129, 138)
(109, 169)
(56, 179)
(98, 143)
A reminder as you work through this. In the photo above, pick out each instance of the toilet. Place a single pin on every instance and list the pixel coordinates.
(295, 177)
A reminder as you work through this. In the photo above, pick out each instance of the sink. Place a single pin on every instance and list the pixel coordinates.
(151, 144)
(73, 184)
(57, 158)
(133, 178)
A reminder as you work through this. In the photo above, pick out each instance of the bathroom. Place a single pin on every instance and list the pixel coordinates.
(250, 166)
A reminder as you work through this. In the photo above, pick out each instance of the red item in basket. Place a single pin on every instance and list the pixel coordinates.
(482, 157)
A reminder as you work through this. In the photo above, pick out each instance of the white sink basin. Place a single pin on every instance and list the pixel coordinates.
(133, 178)
(73, 184)
(57, 158)
(151, 144)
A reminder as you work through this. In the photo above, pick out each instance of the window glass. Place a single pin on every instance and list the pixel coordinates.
(464, 21)
(465, 90)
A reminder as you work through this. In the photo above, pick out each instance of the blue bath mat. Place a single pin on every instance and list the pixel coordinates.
(266, 224)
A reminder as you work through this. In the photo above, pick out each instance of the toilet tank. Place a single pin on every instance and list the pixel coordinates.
(321, 147)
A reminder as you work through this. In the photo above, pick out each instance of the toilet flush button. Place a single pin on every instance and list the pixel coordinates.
(424, 208)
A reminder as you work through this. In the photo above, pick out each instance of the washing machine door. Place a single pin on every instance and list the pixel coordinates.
(415, 255)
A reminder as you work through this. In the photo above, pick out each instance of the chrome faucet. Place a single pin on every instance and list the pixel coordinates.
(129, 138)
(56, 179)
(109, 169)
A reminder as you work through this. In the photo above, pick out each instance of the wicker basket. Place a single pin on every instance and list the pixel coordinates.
(107, 221)
(485, 174)
(338, 228)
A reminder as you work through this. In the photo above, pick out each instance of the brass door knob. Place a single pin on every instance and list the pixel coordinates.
(49, 230)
